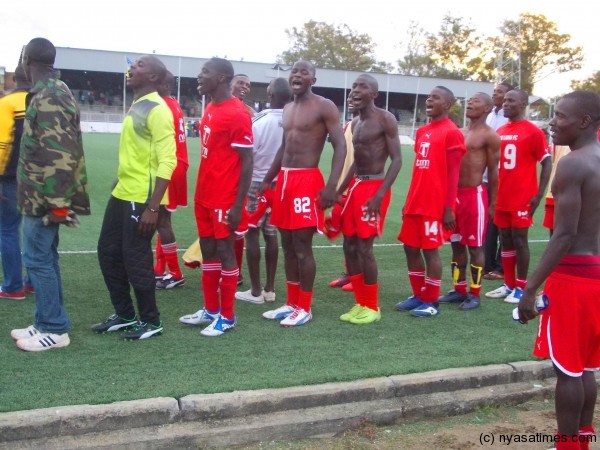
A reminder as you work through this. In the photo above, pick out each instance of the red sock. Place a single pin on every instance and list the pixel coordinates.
(239, 251)
(211, 273)
(564, 442)
(520, 283)
(509, 265)
(160, 266)
(461, 287)
(305, 299)
(170, 252)
(432, 289)
(586, 435)
(229, 280)
(358, 286)
(417, 282)
(371, 296)
(293, 292)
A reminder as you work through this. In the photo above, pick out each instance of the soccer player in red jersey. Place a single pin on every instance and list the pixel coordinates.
(569, 331)
(166, 245)
(223, 181)
(301, 191)
(368, 194)
(429, 207)
(472, 212)
(522, 147)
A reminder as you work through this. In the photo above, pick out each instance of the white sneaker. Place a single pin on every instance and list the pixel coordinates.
(500, 292)
(268, 296)
(200, 317)
(44, 341)
(24, 333)
(297, 318)
(515, 296)
(280, 313)
(246, 296)
(218, 326)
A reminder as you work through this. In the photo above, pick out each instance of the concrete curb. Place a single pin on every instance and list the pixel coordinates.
(248, 416)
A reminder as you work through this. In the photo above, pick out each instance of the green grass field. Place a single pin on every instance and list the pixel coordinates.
(258, 353)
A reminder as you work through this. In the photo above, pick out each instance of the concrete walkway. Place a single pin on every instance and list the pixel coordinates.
(220, 420)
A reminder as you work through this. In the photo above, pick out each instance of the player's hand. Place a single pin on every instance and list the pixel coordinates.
(449, 220)
(527, 309)
(148, 221)
(262, 187)
(327, 197)
(53, 218)
(373, 206)
(491, 212)
(233, 218)
(533, 205)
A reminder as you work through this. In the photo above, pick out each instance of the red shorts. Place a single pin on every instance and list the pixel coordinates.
(295, 204)
(355, 220)
(211, 222)
(569, 330)
(421, 232)
(548, 221)
(471, 216)
(513, 219)
(178, 191)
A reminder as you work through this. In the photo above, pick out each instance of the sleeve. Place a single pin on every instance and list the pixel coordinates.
(60, 142)
(240, 131)
(160, 122)
(540, 146)
(7, 122)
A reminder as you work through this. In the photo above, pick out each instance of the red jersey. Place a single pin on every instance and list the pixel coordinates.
(522, 147)
(429, 183)
(223, 126)
(181, 152)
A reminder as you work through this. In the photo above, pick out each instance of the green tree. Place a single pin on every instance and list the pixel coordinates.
(416, 61)
(332, 47)
(589, 84)
(540, 47)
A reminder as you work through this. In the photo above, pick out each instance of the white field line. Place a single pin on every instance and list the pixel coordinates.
(331, 246)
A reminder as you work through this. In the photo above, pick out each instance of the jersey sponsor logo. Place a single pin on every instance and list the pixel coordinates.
(422, 163)
(522, 214)
(424, 149)
(509, 137)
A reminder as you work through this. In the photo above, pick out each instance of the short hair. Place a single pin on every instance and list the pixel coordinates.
(223, 67)
(20, 74)
(41, 50)
(311, 65)
(449, 94)
(588, 103)
(371, 80)
(524, 96)
(507, 85)
(241, 75)
(486, 97)
(281, 91)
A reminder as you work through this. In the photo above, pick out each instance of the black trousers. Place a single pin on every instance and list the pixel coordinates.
(126, 261)
(492, 248)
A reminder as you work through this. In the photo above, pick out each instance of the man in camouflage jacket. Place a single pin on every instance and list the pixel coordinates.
(52, 189)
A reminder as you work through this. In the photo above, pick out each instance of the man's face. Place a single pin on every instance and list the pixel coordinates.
(141, 73)
(564, 126)
(302, 77)
(498, 95)
(477, 107)
(363, 93)
(240, 87)
(208, 79)
(436, 105)
(513, 106)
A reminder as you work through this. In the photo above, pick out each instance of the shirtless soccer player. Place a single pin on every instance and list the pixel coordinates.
(569, 331)
(375, 138)
(439, 147)
(301, 193)
(472, 211)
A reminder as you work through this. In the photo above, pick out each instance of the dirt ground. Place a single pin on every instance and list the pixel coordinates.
(491, 427)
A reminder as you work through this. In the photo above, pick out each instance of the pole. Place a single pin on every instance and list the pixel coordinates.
(387, 94)
(416, 103)
(179, 80)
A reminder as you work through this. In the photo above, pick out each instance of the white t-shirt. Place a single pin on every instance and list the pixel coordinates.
(268, 135)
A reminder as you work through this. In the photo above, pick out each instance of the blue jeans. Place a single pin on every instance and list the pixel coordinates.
(40, 254)
(10, 248)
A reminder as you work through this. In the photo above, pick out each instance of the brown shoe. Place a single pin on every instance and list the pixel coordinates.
(493, 275)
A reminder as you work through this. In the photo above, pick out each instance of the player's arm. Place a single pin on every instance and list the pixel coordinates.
(455, 149)
(327, 196)
(346, 181)
(392, 142)
(546, 164)
(493, 157)
(234, 216)
(567, 209)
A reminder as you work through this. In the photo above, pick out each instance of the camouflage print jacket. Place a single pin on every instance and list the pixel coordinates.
(51, 173)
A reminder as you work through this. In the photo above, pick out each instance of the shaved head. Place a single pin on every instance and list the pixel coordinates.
(40, 50)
